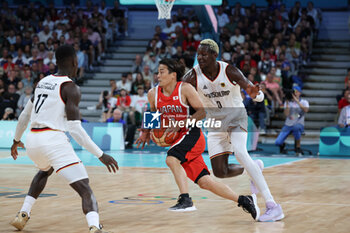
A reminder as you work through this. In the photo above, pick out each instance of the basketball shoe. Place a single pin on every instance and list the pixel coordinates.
(183, 204)
(249, 205)
(20, 220)
(273, 213)
(94, 229)
(253, 188)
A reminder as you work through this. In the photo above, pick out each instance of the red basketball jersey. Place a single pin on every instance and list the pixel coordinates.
(172, 107)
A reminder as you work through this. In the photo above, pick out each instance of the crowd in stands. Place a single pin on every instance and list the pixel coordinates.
(30, 35)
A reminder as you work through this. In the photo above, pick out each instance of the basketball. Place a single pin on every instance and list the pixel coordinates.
(161, 138)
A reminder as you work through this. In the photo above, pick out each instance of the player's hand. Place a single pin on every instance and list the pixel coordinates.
(14, 152)
(145, 137)
(110, 162)
(253, 91)
(172, 131)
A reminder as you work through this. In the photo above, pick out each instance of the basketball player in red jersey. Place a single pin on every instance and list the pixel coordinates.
(173, 98)
(219, 86)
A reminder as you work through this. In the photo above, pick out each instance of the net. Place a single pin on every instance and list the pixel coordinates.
(164, 8)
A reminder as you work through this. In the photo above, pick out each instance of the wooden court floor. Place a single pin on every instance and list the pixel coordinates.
(314, 193)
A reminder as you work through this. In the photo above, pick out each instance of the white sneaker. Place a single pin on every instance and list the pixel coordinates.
(262, 132)
(253, 188)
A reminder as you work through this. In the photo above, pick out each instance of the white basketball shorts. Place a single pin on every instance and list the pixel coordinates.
(219, 143)
(50, 148)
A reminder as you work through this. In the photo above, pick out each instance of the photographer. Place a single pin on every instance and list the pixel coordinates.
(8, 115)
(294, 110)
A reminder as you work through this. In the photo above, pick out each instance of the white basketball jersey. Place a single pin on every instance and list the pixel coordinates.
(221, 98)
(48, 106)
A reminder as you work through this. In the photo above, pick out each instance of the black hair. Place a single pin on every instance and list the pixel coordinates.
(63, 53)
(174, 66)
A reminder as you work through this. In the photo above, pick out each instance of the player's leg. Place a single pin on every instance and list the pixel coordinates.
(179, 173)
(249, 203)
(198, 172)
(219, 148)
(239, 139)
(286, 130)
(68, 165)
(39, 182)
(37, 186)
(177, 161)
(297, 131)
(222, 169)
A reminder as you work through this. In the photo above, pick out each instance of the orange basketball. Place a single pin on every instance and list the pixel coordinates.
(161, 138)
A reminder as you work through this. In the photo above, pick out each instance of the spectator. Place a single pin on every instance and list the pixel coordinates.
(20, 60)
(153, 63)
(347, 79)
(120, 18)
(137, 83)
(139, 102)
(137, 66)
(169, 27)
(265, 65)
(27, 80)
(344, 117)
(237, 38)
(95, 39)
(222, 17)
(124, 83)
(345, 101)
(42, 50)
(107, 102)
(51, 58)
(124, 101)
(81, 63)
(114, 89)
(88, 49)
(189, 42)
(294, 110)
(9, 65)
(45, 34)
(12, 95)
(274, 88)
(146, 73)
(117, 117)
(23, 99)
(247, 60)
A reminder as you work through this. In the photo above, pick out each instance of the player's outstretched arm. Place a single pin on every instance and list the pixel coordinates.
(71, 96)
(22, 124)
(235, 75)
(191, 78)
(145, 134)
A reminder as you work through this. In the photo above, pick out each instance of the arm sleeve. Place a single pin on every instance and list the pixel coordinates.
(259, 97)
(82, 138)
(23, 121)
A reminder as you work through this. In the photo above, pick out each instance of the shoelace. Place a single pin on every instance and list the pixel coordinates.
(268, 211)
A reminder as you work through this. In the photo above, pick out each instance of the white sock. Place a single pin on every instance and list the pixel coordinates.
(28, 204)
(93, 219)
(239, 140)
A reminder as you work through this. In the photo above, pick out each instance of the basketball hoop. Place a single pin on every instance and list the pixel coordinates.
(164, 8)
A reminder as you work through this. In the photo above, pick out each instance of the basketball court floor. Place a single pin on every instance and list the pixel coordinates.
(314, 194)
